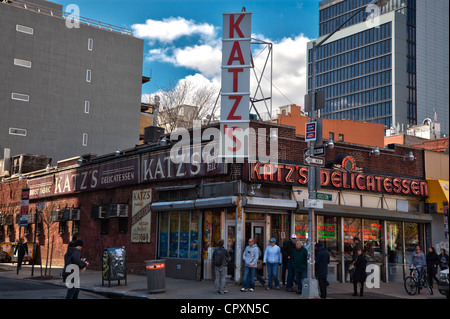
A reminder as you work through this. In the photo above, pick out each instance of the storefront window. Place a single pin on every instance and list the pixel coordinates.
(279, 228)
(194, 243)
(301, 227)
(372, 241)
(174, 234)
(352, 229)
(328, 235)
(394, 242)
(178, 235)
(163, 235)
(411, 239)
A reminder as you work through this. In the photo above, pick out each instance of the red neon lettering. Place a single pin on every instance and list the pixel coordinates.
(336, 179)
(235, 26)
(303, 172)
(387, 183)
(288, 176)
(358, 184)
(255, 170)
(324, 178)
(406, 189)
(397, 185)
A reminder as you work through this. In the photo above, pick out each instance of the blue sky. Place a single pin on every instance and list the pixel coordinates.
(182, 37)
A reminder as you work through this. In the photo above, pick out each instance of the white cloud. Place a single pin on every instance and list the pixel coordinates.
(171, 29)
(289, 71)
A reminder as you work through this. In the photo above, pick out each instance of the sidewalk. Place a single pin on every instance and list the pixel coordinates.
(136, 287)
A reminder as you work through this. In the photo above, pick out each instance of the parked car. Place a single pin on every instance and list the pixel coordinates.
(443, 282)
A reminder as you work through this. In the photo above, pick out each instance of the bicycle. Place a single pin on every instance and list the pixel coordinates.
(417, 280)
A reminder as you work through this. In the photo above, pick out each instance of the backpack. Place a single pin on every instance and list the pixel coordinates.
(219, 256)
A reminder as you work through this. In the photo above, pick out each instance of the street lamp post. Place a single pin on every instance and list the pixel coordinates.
(310, 286)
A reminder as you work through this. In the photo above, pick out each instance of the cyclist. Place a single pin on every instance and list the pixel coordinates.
(418, 260)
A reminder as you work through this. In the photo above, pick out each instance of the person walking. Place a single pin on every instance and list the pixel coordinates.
(321, 267)
(432, 261)
(359, 275)
(286, 250)
(356, 247)
(250, 257)
(221, 258)
(21, 249)
(299, 264)
(443, 259)
(73, 257)
(273, 258)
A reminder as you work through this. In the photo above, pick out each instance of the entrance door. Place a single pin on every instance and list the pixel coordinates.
(257, 231)
(230, 230)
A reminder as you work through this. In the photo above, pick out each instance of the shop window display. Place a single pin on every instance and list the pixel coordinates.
(411, 240)
(372, 240)
(178, 235)
(328, 235)
(394, 242)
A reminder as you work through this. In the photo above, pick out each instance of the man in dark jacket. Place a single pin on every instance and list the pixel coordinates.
(360, 274)
(21, 250)
(221, 258)
(73, 258)
(321, 267)
(286, 251)
(299, 264)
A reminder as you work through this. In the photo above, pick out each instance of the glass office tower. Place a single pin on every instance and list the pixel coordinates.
(369, 69)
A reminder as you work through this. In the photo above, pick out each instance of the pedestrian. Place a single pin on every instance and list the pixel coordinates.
(259, 265)
(250, 257)
(356, 247)
(286, 250)
(221, 258)
(359, 275)
(433, 261)
(21, 249)
(299, 264)
(273, 258)
(443, 258)
(73, 257)
(321, 267)
(418, 259)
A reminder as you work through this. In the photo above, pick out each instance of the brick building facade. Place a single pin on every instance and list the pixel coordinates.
(189, 207)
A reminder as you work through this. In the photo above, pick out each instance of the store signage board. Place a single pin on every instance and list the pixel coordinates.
(235, 95)
(310, 131)
(317, 151)
(313, 160)
(312, 203)
(324, 196)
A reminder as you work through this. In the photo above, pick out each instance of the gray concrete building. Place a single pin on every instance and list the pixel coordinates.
(390, 67)
(66, 88)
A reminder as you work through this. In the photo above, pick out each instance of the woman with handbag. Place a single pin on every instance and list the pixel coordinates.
(359, 274)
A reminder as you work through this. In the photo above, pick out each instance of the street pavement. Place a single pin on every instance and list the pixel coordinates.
(182, 289)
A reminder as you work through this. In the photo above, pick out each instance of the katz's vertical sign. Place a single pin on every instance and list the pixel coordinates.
(235, 96)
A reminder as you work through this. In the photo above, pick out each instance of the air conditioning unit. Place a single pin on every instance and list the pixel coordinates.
(99, 212)
(431, 208)
(56, 216)
(75, 214)
(118, 210)
(152, 134)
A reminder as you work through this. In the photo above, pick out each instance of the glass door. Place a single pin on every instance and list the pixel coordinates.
(257, 231)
